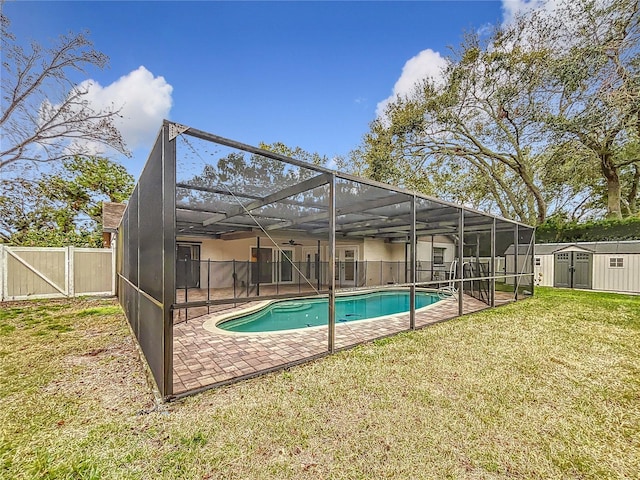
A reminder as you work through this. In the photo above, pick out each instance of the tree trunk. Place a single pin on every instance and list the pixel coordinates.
(633, 193)
(541, 204)
(610, 172)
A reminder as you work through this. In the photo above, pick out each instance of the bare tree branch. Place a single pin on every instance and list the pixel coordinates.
(45, 117)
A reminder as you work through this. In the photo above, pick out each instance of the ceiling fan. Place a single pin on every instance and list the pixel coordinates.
(292, 243)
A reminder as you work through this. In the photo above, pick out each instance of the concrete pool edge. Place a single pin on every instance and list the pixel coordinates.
(211, 323)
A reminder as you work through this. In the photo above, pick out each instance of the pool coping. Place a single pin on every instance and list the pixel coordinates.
(211, 323)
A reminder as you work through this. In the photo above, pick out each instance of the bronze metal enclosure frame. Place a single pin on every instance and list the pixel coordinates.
(249, 193)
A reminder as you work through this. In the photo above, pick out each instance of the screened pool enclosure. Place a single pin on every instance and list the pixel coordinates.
(218, 231)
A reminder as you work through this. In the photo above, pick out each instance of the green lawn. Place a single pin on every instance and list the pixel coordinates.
(546, 388)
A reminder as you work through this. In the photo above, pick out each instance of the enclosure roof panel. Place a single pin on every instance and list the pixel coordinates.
(224, 186)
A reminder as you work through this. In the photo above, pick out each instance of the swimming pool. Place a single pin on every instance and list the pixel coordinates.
(313, 312)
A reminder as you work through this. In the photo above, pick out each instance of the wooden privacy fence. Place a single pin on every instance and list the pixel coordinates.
(51, 272)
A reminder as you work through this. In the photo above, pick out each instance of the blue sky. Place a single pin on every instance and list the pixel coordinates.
(308, 74)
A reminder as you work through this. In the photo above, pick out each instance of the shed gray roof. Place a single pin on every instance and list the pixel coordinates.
(111, 215)
(621, 247)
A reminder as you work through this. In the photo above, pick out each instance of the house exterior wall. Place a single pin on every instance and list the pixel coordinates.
(375, 250)
(426, 245)
(385, 260)
(369, 249)
(396, 252)
(219, 251)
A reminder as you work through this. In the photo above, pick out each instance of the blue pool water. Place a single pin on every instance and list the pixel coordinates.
(301, 313)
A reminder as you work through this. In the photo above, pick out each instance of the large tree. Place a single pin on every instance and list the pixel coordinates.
(45, 114)
(63, 207)
(520, 122)
(592, 84)
(479, 121)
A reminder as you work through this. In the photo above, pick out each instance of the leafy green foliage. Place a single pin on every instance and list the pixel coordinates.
(63, 207)
(255, 176)
(467, 138)
(558, 230)
(295, 152)
(592, 83)
(539, 119)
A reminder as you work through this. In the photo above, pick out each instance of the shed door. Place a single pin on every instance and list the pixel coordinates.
(582, 270)
(562, 270)
(572, 270)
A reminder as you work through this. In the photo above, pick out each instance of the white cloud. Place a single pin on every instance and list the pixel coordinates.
(332, 163)
(426, 64)
(429, 63)
(511, 9)
(485, 30)
(561, 22)
(144, 101)
(141, 100)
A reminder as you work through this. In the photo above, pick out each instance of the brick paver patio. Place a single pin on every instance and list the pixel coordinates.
(202, 357)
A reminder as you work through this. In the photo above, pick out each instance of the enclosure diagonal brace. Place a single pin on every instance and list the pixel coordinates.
(309, 184)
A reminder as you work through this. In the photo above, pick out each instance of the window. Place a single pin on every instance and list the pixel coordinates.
(616, 262)
(438, 256)
(538, 261)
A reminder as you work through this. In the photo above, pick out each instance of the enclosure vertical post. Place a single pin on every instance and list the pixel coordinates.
(412, 268)
(477, 269)
(186, 281)
(169, 252)
(332, 265)
(114, 266)
(492, 267)
(533, 261)
(258, 266)
(3, 272)
(406, 263)
(234, 276)
(209, 284)
(460, 261)
(317, 262)
(516, 279)
(433, 257)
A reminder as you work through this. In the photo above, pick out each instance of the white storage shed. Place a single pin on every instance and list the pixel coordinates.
(607, 266)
